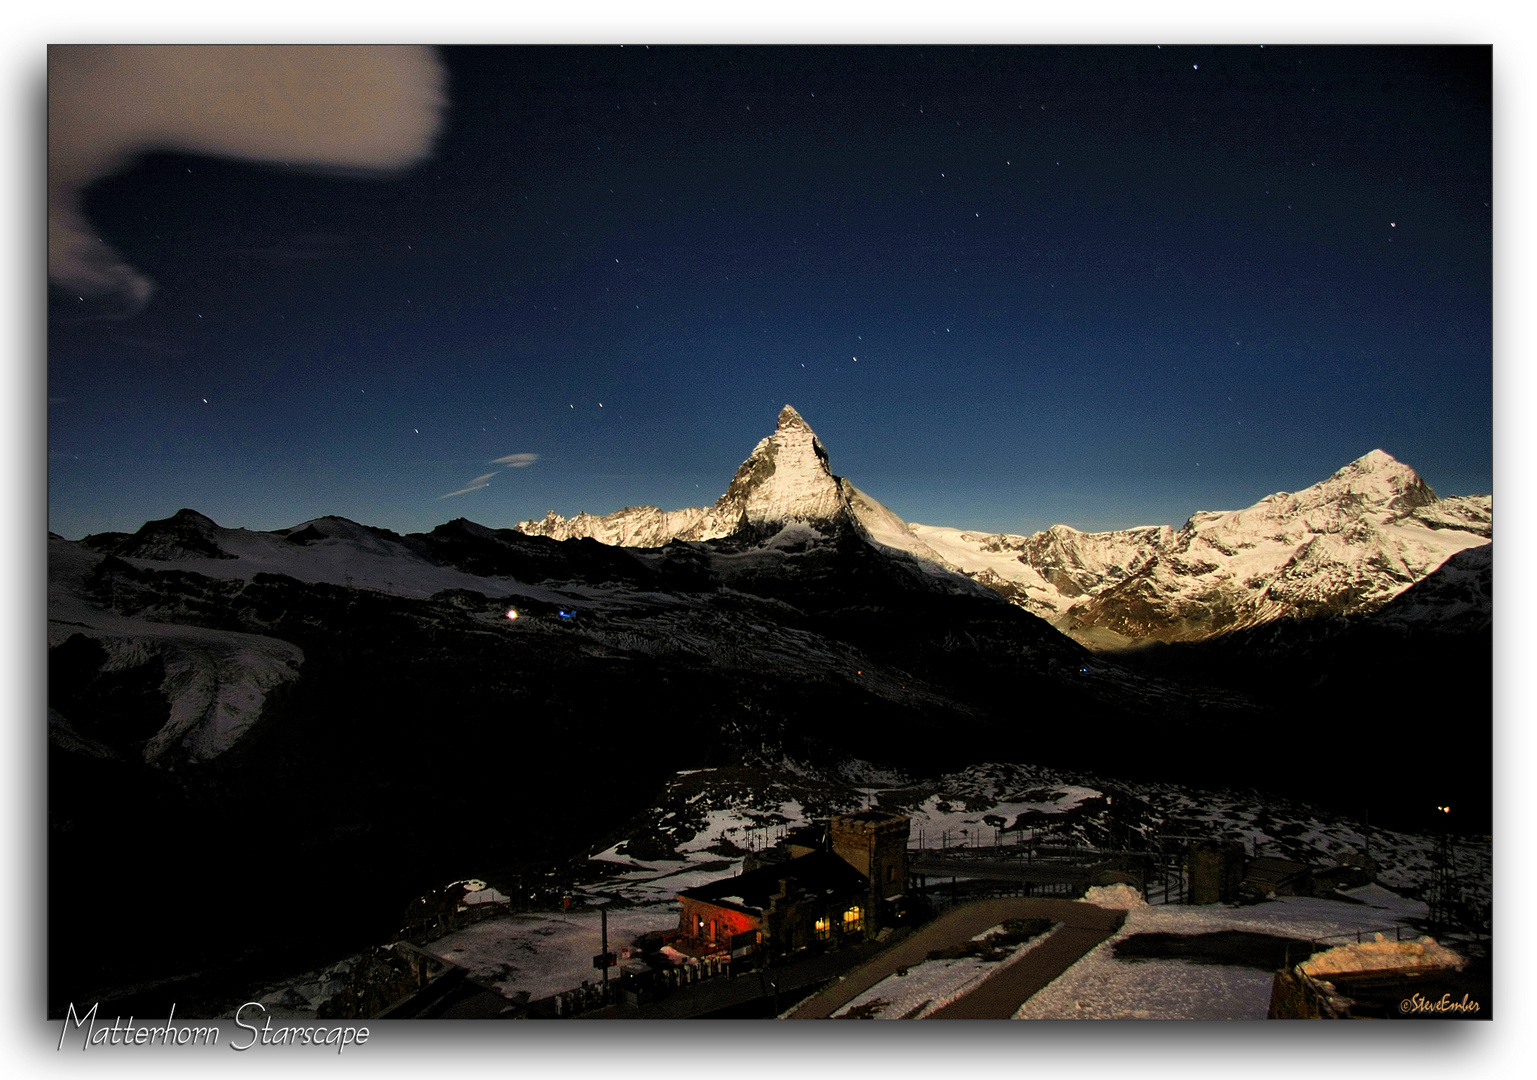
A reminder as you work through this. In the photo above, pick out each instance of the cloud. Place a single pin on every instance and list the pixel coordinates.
(511, 461)
(360, 108)
(474, 485)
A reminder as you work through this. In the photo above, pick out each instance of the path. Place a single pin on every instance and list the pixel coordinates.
(1083, 927)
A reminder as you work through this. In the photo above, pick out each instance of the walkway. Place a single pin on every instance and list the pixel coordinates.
(1001, 994)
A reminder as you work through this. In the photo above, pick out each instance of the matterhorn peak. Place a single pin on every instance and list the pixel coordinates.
(789, 418)
(786, 478)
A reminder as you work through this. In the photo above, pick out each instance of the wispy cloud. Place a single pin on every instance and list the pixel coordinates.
(368, 109)
(511, 461)
(474, 485)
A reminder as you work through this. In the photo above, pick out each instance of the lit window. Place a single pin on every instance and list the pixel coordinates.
(824, 928)
(853, 919)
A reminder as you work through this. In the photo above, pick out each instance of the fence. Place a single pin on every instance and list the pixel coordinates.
(1044, 859)
(448, 922)
(595, 995)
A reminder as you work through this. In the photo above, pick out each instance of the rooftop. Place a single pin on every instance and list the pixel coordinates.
(821, 872)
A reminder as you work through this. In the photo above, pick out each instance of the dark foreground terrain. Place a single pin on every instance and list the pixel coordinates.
(426, 739)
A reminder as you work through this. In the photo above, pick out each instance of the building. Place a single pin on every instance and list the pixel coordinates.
(835, 887)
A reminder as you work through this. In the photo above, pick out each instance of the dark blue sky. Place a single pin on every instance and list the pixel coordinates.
(1103, 287)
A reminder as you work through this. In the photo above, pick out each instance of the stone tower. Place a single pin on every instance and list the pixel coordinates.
(874, 842)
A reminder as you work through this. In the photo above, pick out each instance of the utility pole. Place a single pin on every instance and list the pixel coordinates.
(603, 914)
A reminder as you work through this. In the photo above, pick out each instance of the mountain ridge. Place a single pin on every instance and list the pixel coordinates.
(1347, 544)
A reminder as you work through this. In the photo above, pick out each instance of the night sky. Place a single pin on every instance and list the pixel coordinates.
(1008, 287)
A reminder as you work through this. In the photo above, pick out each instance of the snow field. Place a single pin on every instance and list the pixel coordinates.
(1100, 987)
(544, 954)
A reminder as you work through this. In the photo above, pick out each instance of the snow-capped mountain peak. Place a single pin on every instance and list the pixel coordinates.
(1377, 481)
(1347, 544)
(785, 479)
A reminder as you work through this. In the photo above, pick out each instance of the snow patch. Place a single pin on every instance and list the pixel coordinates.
(1119, 896)
(1380, 954)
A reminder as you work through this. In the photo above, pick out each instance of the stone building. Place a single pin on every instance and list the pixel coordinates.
(835, 887)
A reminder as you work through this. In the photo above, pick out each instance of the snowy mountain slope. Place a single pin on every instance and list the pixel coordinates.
(330, 550)
(215, 682)
(1047, 572)
(634, 526)
(1347, 544)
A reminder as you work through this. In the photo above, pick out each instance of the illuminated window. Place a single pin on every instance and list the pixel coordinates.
(824, 928)
(853, 919)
